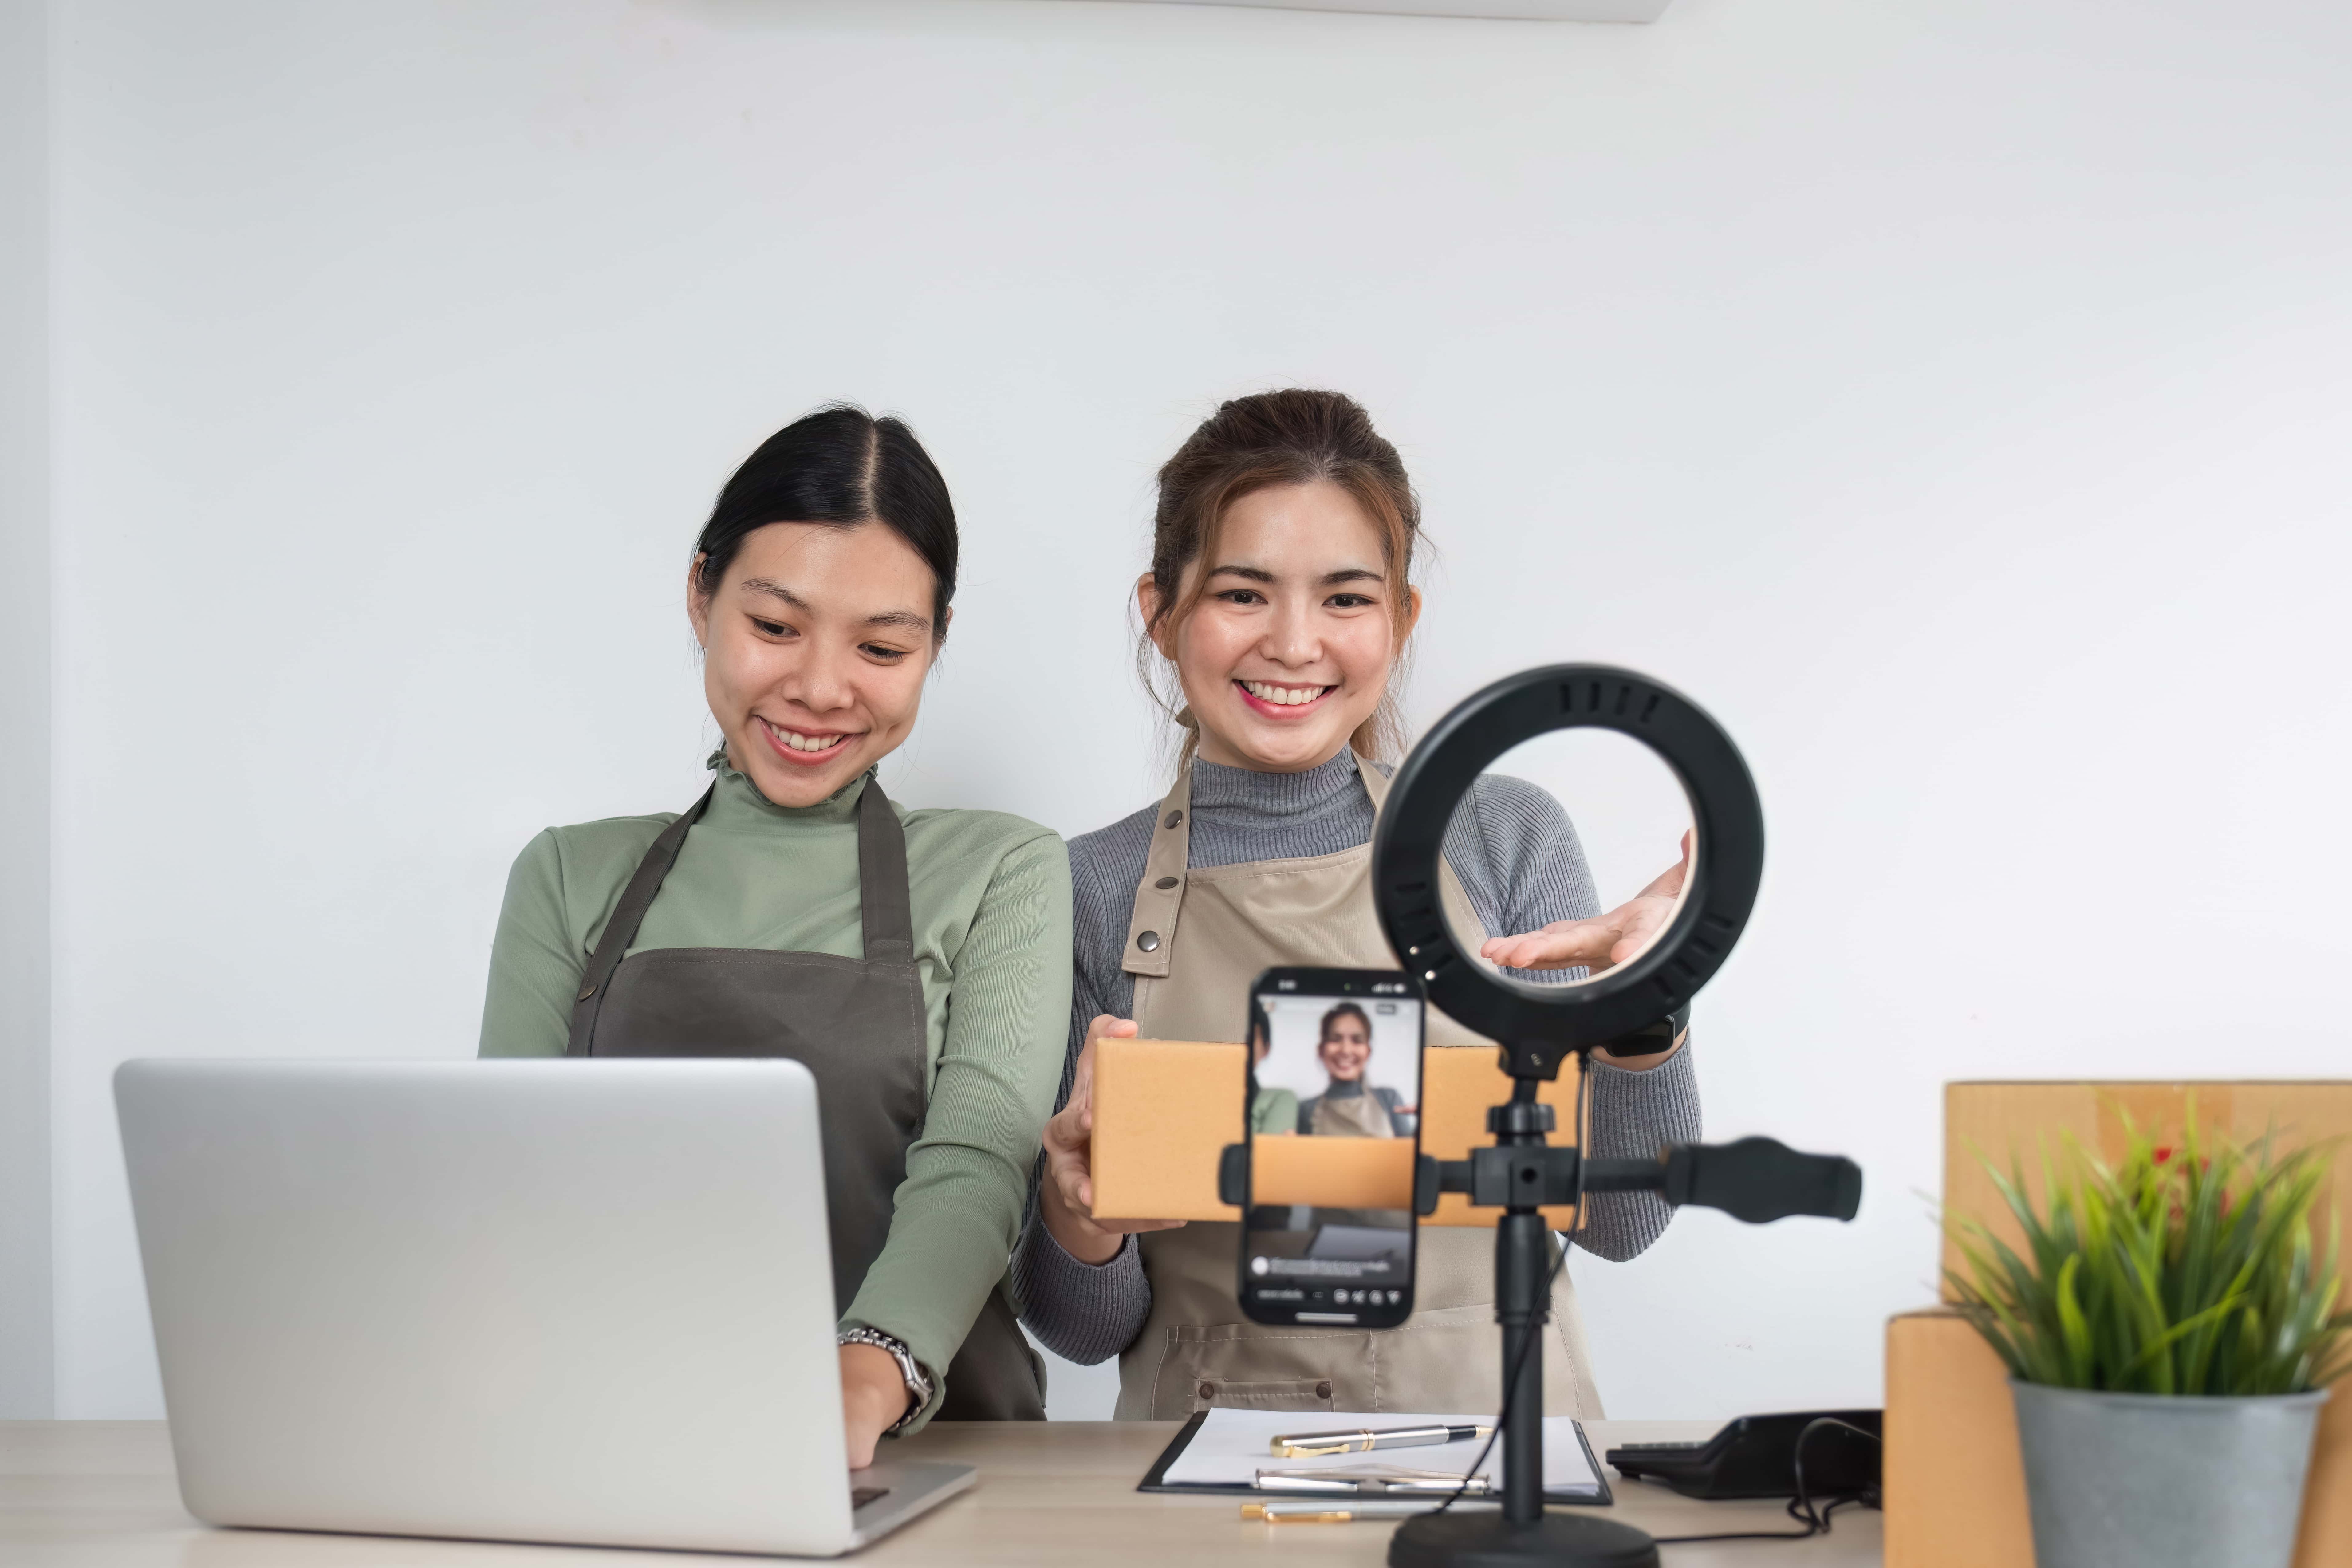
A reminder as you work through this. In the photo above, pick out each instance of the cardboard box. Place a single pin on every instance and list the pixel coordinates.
(1333, 1172)
(1165, 1109)
(2012, 1123)
(1955, 1483)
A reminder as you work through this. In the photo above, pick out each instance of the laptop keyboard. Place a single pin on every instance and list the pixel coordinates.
(860, 1496)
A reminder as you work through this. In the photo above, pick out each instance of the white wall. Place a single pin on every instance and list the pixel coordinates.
(27, 1370)
(1952, 395)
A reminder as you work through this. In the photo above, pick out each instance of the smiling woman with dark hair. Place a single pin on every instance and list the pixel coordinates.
(917, 961)
(1351, 1106)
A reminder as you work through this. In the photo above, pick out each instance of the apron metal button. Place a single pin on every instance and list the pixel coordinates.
(1149, 941)
(1208, 1391)
(1165, 883)
(585, 995)
(1322, 1391)
(1174, 819)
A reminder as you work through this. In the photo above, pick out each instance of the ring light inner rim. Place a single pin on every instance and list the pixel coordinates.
(1564, 991)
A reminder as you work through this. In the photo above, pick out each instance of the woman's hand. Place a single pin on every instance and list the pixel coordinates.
(1602, 941)
(1067, 1199)
(874, 1398)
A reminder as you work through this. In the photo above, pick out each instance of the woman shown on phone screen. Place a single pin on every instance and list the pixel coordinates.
(1351, 1106)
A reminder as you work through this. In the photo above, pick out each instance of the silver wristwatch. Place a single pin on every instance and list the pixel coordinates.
(919, 1386)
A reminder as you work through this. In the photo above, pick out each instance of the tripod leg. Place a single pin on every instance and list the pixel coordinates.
(1522, 1268)
(1521, 1533)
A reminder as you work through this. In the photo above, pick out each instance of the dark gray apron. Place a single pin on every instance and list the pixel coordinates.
(857, 1024)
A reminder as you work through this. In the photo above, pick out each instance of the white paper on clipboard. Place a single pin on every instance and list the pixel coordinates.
(1232, 1445)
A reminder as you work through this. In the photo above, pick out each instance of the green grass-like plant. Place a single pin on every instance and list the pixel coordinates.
(2185, 1271)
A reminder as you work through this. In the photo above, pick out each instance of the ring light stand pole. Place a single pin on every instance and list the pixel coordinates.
(1541, 1027)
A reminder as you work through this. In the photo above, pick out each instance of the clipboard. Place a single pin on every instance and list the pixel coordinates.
(1155, 1479)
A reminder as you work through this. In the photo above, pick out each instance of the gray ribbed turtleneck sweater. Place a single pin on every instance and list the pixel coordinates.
(1520, 861)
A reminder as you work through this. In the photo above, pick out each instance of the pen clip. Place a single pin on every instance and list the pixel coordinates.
(1307, 1448)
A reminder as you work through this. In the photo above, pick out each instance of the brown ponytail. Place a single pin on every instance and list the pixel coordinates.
(1253, 443)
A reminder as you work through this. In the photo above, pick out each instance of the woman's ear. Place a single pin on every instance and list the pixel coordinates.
(1147, 604)
(697, 602)
(1412, 611)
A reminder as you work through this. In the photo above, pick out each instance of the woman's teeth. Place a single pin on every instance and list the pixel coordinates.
(1282, 696)
(794, 740)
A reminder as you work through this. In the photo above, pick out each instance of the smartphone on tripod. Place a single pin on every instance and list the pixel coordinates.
(1332, 1122)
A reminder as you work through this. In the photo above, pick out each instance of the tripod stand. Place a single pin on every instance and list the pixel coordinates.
(1755, 1179)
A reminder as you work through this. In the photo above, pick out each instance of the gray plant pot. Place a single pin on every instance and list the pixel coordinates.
(2146, 1480)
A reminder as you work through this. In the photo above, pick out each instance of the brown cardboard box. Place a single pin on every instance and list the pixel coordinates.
(1164, 1111)
(1333, 1172)
(1955, 1485)
(2012, 1123)
(1459, 1084)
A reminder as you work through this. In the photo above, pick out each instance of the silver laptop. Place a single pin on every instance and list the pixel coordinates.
(582, 1301)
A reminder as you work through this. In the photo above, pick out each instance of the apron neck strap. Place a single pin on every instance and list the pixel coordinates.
(621, 929)
(886, 911)
(884, 908)
(1160, 897)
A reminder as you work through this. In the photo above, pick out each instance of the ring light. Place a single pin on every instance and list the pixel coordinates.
(1540, 1024)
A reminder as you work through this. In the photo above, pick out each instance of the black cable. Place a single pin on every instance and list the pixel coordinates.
(1535, 1330)
(1816, 1521)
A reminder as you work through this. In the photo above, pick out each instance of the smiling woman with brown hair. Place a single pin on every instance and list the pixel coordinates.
(917, 961)
(1280, 599)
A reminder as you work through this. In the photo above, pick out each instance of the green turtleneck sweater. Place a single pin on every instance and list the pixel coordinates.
(992, 914)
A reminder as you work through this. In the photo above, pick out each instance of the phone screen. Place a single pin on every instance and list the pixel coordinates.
(1334, 1131)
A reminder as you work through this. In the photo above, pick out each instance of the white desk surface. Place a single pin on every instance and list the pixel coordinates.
(100, 1494)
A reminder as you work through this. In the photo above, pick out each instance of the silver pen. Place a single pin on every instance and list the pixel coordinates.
(1343, 1483)
(1364, 1439)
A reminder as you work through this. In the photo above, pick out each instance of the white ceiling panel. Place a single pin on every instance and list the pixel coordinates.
(1522, 10)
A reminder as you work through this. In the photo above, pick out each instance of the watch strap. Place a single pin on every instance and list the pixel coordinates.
(918, 1383)
(1659, 1036)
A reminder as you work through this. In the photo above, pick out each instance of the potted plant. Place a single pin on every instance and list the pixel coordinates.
(2170, 1337)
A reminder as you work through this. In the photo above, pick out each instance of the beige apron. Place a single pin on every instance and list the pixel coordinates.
(1354, 1116)
(1197, 938)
